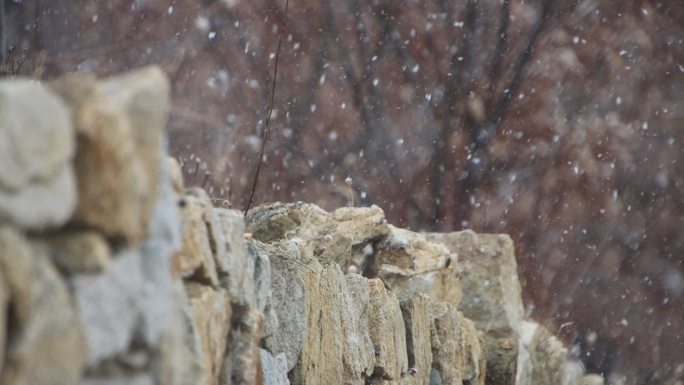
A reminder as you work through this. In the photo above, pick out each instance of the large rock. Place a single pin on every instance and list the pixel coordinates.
(408, 263)
(212, 313)
(386, 326)
(328, 236)
(489, 276)
(491, 298)
(238, 275)
(416, 311)
(274, 369)
(37, 183)
(45, 344)
(120, 124)
(457, 354)
(110, 305)
(195, 259)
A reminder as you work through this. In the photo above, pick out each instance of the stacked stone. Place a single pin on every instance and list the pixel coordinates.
(112, 272)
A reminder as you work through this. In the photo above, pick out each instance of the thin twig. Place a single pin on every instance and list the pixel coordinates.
(264, 140)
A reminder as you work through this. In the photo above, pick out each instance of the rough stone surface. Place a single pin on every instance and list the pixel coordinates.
(195, 259)
(416, 312)
(238, 275)
(45, 344)
(330, 236)
(387, 332)
(456, 350)
(37, 183)
(286, 324)
(217, 241)
(274, 369)
(120, 124)
(408, 263)
(212, 313)
(109, 306)
(489, 275)
(79, 252)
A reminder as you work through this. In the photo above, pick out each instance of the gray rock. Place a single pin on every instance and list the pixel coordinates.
(550, 362)
(120, 124)
(109, 306)
(286, 323)
(132, 379)
(274, 368)
(387, 331)
(416, 311)
(44, 344)
(37, 143)
(237, 276)
(489, 274)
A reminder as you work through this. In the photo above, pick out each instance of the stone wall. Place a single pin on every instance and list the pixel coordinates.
(112, 272)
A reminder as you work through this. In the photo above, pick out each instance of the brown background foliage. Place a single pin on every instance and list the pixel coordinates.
(558, 122)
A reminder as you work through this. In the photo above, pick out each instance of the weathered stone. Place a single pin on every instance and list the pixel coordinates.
(387, 332)
(241, 364)
(457, 354)
(120, 124)
(416, 312)
(237, 277)
(286, 324)
(549, 357)
(37, 183)
(44, 343)
(217, 241)
(358, 351)
(261, 266)
(109, 306)
(79, 252)
(329, 237)
(408, 263)
(212, 313)
(195, 260)
(491, 288)
(274, 369)
(489, 276)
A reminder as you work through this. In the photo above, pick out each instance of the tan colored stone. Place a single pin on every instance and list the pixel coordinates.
(195, 259)
(79, 252)
(329, 237)
(37, 183)
(457, 354)
(217, 241)
(416, 312)
(45, 343)
(120, 124)
(212, 313)
(387, 332)
(489, 275)
(408, 263)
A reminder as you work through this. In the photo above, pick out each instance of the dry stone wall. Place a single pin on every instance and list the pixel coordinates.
(112, 272)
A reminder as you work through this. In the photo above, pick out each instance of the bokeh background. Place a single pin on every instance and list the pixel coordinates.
(559, 122)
